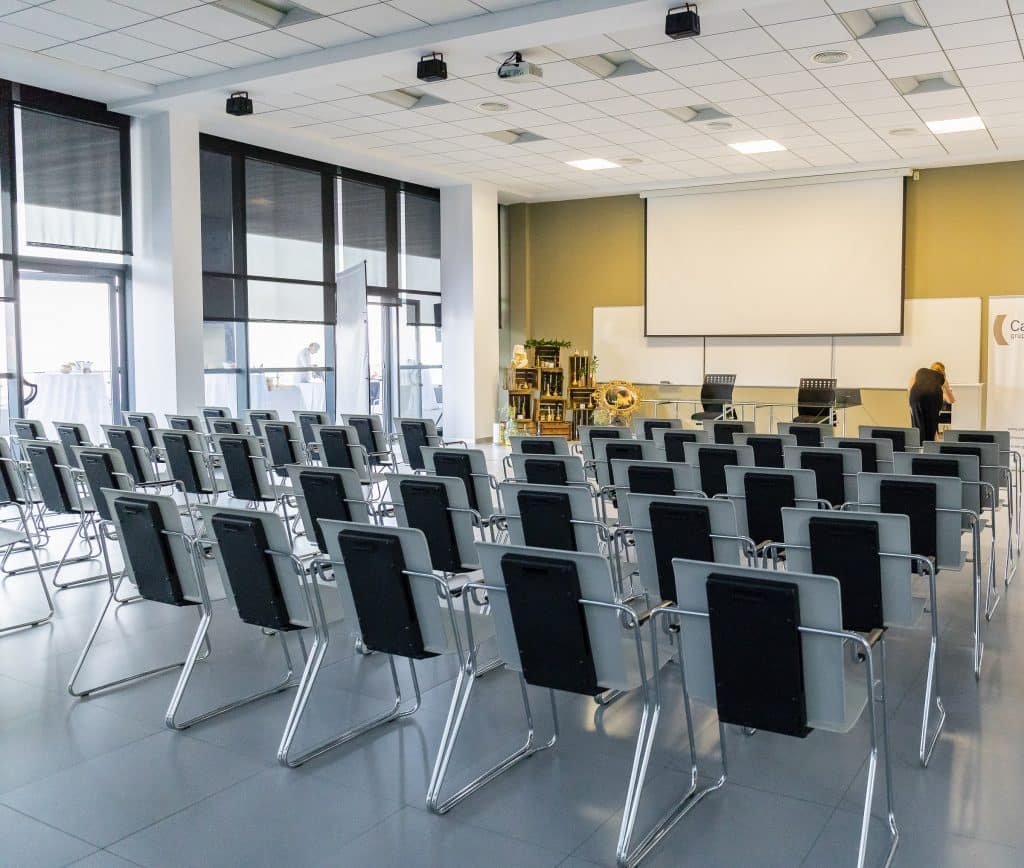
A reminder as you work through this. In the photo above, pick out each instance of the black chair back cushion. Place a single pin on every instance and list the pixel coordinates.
(149, 551)
(55, 495)
(679, 530)
(541, 472)
(898, 438)
(766, 495)
(458, 465)
(828, 475)
(546, 517)
(917, 500)
(767, 451)
(240, 469)
(426, 508)
(537, 447)
(675, 444)
(849, 550)
(335, 450)
(415, 434)
(182, 463)
(712, 464)
(99, 474)
(325, 498)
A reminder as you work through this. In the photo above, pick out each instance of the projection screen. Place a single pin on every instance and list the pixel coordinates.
(822, 258)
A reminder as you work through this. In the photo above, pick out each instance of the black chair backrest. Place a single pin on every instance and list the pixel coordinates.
(325, 498)
(282, 449)
(767, 451)
(259, 416)
(381, 592)
(815, 391)
(868, 453)
(716, 392)
(121, 440)
(898, 438)
(849, 550)
(251, 572)
(605, 434)
(415, 434)
(537, 447)
(8, 488)
(240, 469)
(935, 465)
(546, 517)
(148, 549)
(675, 444)
(221, 425)
(182, 463)
(335, 450)
(725, 430)
(364, 431)
(69, 436)
(650, 425)
(541, 472)
(828, 475)
(917, 500)
(712, 463)
(213, 413)
(141, 424)
(679, 530)
(631, 450)
(766, 495)
(99, 474)
(26, 429)
(43, 459)
(457, 464)
(550, 624)
(306, 422)
(806, 435)
(181, 423)
(754, 689)
(974, 438)
(426, 507)
(645, 479)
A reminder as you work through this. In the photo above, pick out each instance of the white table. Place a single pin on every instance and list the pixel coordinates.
(967, 409)
(72, 397)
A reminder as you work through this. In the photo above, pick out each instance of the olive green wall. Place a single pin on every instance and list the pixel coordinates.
(963, 231)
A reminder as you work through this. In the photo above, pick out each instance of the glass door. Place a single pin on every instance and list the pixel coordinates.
(72, 346)
(382, 326)
(420, 391)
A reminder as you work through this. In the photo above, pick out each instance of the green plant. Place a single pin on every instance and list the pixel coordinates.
(547, 342)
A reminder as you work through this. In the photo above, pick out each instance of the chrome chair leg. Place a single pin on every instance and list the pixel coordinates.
(80, 532)
(35, 622)
(931, 690)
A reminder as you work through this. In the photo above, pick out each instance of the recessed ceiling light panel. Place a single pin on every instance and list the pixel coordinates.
(830, 57)
(956, 125)
(494, 106)
(761, 146)
(593, 164)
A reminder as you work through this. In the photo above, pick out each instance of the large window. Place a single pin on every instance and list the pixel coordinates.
(277, 232)
(64, 247)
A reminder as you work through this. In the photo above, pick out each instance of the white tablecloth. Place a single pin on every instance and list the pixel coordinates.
(287, 398)
(72, 398)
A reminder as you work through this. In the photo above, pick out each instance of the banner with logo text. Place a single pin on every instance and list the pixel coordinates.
(1006, 367)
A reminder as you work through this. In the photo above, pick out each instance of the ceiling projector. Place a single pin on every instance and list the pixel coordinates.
(516, 69)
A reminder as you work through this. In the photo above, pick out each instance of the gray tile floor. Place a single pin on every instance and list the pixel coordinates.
(101, 783)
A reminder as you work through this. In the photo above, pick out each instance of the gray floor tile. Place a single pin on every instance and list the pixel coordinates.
(27, 842)
(107, 798)
(102, 859)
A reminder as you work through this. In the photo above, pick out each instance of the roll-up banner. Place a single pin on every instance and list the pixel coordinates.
(1006, 367)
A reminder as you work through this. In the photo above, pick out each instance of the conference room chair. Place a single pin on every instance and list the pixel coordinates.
(307, 420)
(978, 499)
(370, 429)
(769, 449)
(159, 562)
(723, 431)
(13, 495)
(72, 434)
(469, 465)
(760, 494)
(439, 507)
(25, 429)
(210, 413)
(415, 433)
(284, 445)
(663, 478)
(876, 453)
(249, 474)
(711, 459)
(226, 425)
(806, 435)
(138, 457)
(182, 422)
(554, 517)
(934, 505)
(61, 498)
(145, 424)
(549, 470)
(815, 399)
(340, 446)
(606, 451)
(332, 493)
(536, 596)
(693, 527)
(191, 465)
(255, 419)
(870, 555)
(670, 443)
(645, 426)
(716, 398)
(903, 439)
(765, 650)
(589, 433)
(835, 471)
(537, 444)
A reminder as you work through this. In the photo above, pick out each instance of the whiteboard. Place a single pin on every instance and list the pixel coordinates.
(623, 353)
(770, 361)
(946, 330)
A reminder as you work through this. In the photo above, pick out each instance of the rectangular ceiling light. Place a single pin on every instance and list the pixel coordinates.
(262, 13)
(956, 125)
(593, 164)
(762, 146)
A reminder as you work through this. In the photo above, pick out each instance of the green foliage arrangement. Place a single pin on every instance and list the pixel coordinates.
(546, 342)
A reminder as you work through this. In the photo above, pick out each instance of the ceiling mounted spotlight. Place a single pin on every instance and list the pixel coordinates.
(239, 104)
(432, 67)
(682, 21)
(494, 106)
(830, 57)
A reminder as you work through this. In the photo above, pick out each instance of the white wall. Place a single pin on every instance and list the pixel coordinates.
(166, 315)
(469, 288)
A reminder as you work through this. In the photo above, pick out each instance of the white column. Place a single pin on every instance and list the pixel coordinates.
(166, 316)
(469, 332)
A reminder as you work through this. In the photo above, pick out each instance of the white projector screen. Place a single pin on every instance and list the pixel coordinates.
(815, 259)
